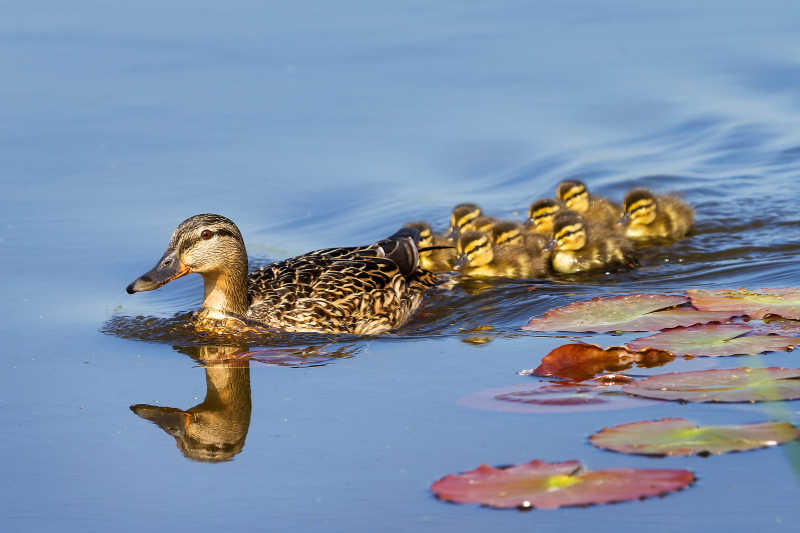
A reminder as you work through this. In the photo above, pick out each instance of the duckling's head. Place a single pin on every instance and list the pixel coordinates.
(541, 214)
(574, 195)
(482, 223)
(569, 231)
(208, 244)
(507, 233)
(425, 233)
(639, 207)
(462, 215)
(474, 250)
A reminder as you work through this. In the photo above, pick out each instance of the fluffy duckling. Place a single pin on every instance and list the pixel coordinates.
(540, 216)
(361, 290)
(647, 216)
(594, 209)
(480, 257)
(509, 233)
(440, 260)
(482, 223)
(462, 215)
(578, 248)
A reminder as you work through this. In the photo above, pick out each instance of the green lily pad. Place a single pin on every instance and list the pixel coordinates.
(542, 485)
(721, 385)
(713, 340)
(756, 304)
(633, 312)
(678, 436)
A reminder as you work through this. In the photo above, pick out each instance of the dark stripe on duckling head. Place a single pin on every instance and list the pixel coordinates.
(506, 233)
(545, 207)
(472, 241)
(463, 214)
(565, 219)
(637, 195)
(569, 189)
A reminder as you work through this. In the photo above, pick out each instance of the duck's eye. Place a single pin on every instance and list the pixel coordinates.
(207, 234)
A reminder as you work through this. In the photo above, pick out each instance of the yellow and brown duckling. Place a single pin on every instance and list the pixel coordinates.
(650, 217)
(541, 215)
(579, 248)
(479, 256)
(594, 209)
(360, 290)
(507, 233)
(482, 223)
(439, 260)
(462, 215)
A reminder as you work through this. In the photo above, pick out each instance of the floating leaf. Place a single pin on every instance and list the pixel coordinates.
(542, 485)
(581, 361)
(634, 312)
(777, 326)
(713, 340)
(721, 385)
(678, 436)
(554, 397)
(756, 304)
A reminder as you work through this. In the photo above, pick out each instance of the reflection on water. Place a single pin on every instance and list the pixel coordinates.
(215, 429)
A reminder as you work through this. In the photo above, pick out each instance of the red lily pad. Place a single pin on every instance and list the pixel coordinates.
(542, 485)
(777, 326)
(721, 385)
(678, 436)
(756, 304)
(555, 397)
(714, 340)
(581, 361)
(633, 312)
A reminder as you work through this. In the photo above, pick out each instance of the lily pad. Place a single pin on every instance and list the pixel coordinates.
(581, 361)
(543, 485)
(633, 312)
(756, 304)
(555, 397)
(678, 436)
(721, 385)
(714, 340)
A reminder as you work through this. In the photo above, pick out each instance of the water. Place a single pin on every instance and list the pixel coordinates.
(321, 124)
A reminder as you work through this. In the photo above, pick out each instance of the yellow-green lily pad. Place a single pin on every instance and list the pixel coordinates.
(678, 436)
(713, 340)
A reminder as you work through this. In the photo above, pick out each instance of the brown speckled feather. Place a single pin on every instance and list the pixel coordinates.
(336, 290)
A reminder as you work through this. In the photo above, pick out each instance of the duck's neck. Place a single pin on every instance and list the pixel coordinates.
(226, 291)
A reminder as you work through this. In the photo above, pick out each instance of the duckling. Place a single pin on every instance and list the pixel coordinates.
(482, 223)
(360, 290)
(594, 209)
(540, 216)
(510, 233)
(440, 260)
(462, 215)
(480, 257)
(577, 247)
(648, 216)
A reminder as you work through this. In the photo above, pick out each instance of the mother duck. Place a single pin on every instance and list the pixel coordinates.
(360, 290)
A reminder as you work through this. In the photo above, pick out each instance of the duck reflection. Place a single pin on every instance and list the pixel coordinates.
(215, 429)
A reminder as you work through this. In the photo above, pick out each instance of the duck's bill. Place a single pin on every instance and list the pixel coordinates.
(171, 420)
(166, 270)
(461, 262)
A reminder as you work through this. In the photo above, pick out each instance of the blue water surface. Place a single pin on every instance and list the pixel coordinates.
(318, 124)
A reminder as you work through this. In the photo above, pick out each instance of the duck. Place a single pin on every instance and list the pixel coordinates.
(461, 215)
(479, 256)
(440, 259)
(540, 216)
(577, 247)
(362, 290)
(647, 216)
(596, 210)
(507, 233)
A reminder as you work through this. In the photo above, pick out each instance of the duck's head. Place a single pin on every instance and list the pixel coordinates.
(569, 232)
(507, 233)
(541, 214)
(462, 215)
(574, 195)
(639, 207)
(210, 245)
(425, 233)
(474, 250)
